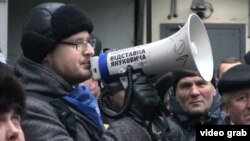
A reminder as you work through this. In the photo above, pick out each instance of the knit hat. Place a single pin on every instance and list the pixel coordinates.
(236, 78)
(49, 23)
(178, 75)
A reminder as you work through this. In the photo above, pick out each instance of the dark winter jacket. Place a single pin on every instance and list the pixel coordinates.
(42, 122)
(214, 116)
(126, 129)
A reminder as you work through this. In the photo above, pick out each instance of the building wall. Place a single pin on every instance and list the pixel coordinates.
(225, 11)
(114, 19)
(3, 26)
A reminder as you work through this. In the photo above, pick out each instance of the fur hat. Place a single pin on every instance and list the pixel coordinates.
(236, 78)
(49, 23)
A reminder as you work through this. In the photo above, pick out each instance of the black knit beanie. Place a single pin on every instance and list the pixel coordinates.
(178, 75)
(49, 23)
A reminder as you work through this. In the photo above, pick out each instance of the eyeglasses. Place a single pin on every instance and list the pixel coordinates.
(82, 44)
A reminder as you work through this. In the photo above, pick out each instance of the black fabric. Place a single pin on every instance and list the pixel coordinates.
(66, 116)
(162, 82)
(114, 87)
(35, 41)
(68, 20)
(49, 23)
(35, 46)
(159, 129)
(145, 101)
(236, 78)
(39, 19)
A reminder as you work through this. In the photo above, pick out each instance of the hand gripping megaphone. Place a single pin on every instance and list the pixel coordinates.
(187, 49)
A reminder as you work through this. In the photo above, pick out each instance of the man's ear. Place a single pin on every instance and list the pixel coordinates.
(46, 61)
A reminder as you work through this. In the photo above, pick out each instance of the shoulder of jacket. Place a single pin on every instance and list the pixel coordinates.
(41, 106)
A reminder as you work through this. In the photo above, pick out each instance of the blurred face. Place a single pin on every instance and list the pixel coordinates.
(72, 64)
(226, 66)
(10, 127)
(195, 95)
(238, 107)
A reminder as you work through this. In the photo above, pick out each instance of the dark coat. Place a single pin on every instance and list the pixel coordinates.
(126, 129)
(42, 122)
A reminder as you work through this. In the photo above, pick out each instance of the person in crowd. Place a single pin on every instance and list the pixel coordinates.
(134, 125)
(12, 105)
(193, 101)
(235, 90)
(56, 50)
(226, 64)
(162, 82)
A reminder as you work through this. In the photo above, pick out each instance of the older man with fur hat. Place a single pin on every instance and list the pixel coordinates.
(234, 86)
(56, 51)
(193, 101)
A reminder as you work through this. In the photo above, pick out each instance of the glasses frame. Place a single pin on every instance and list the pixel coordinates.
(81, 44)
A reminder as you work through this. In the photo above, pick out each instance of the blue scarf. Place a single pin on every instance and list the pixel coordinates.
(82, 99)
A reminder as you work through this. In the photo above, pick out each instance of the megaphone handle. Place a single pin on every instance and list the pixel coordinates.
(127, 98)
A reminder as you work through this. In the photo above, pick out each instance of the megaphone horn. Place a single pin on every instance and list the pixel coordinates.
(187, 49)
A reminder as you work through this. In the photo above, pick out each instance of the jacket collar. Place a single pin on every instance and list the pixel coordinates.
(38, 79)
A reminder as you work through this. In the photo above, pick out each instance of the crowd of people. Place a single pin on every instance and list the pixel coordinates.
(48, 94)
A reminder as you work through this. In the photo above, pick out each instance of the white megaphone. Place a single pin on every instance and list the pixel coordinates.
(187, 49)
